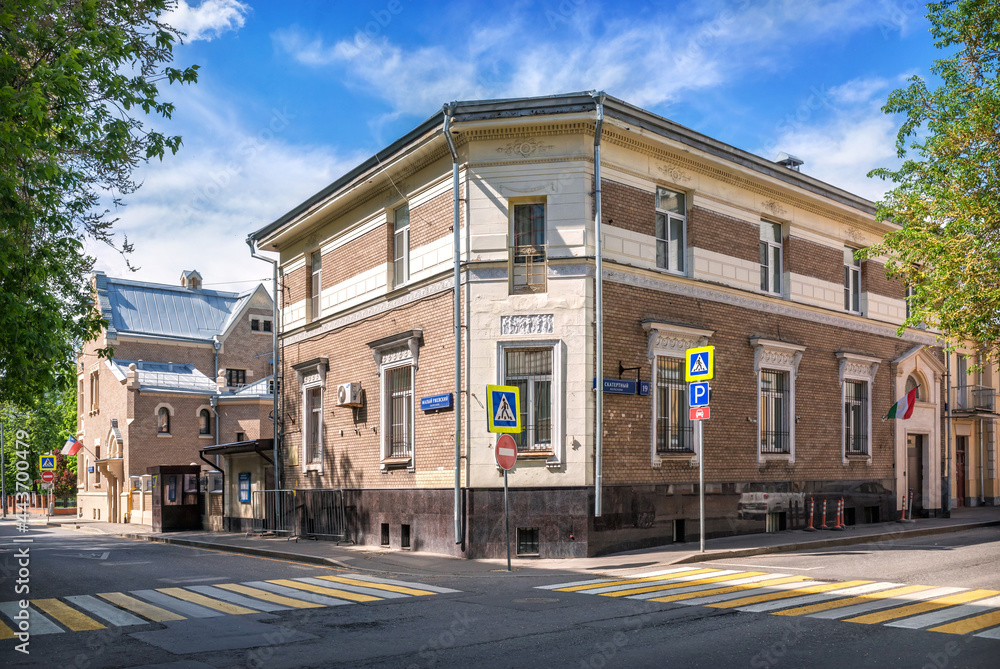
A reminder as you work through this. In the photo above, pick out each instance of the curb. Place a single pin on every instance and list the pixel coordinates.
(244, 550)
(828, 543)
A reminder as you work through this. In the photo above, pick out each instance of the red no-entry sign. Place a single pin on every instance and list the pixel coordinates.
(506, 451)
(48, 477)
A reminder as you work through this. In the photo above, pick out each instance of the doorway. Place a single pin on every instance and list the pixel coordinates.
(915, 471)
(961, 448)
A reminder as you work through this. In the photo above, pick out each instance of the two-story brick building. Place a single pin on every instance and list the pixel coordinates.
(191, 367)
(702, 244)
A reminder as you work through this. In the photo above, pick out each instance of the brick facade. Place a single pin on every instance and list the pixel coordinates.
(628, 207)
(723, 234)
(874, 280)
(807, 258)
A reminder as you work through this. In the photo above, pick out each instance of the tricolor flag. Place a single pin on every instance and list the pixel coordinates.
(71, 447)
(904, 407)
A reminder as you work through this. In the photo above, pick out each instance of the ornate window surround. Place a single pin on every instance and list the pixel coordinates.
(398, 350)
(856, 368)
(312, 374)
(785, 357)
(671, 341)
(156, 419)
(556, 459)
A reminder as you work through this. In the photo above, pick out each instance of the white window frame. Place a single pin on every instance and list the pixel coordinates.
(556, 456)
(776, 356)
(683, 240)
(850, 271)
(668, 340)
(211, 419)
(390, 352)
(773, 290)
(854, 367)
(401, 238)
(170, 420)
(315, 285)
(386, 414)
(524, 288)
(313, 375)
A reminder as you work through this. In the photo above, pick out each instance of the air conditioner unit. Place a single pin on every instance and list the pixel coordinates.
(349, 395)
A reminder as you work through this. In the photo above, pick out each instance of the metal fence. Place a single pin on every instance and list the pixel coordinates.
(300, 513)
(975, 398)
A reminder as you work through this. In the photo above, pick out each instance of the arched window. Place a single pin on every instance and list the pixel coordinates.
(204, 422)
(911, 383)
(163, 420)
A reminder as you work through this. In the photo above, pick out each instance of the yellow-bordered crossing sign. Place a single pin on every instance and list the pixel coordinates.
(503, 409)
(700, 364)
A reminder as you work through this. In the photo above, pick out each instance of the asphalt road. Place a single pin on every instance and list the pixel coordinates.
(490, 620)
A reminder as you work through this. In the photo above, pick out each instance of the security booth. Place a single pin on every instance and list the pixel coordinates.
(175, 497)
(242, 472)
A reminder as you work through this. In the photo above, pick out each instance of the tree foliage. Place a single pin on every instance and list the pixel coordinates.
(48, 423)
(77, 81)
(947, 192)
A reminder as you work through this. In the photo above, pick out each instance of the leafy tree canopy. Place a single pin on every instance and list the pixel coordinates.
(77, 80)
(947, 192)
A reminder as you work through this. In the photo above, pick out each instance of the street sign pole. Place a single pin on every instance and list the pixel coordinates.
(701, 481)
(506, 516)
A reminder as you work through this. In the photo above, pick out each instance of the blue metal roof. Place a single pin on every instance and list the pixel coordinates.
(169, 311)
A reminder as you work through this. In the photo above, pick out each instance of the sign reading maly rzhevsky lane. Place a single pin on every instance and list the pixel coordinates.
(503, 409)
(700, 364)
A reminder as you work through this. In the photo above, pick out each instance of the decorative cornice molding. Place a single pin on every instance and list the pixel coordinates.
(670, 339)
(771, 353)
(857, 366)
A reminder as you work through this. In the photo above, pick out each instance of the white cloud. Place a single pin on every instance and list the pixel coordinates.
(209, 19)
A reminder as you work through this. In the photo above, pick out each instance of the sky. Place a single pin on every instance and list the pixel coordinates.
(291, 95)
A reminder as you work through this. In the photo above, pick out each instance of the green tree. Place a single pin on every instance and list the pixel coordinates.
(946, 197)
(78, 78)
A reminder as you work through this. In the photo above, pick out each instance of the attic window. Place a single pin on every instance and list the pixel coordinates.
(255, 324)
(260, 324)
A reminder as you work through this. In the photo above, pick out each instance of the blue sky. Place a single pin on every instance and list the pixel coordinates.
(293, 94)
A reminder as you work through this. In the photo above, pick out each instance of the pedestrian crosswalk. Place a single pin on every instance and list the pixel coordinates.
(923, 607)
(79, 613)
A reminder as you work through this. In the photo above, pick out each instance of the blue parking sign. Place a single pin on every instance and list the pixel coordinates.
(698, 394)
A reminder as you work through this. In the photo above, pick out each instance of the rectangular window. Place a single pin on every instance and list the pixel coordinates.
(671, 214)
(267, 325)
(673, 421)
(95, 391)
(529, 248)
(315, 283)
(774, 400)
(852, 281)
(399, 411)
(856, 417)
(770, 257)
(527, 541)
(314, 422)
(530, 369)
(236, 377)
(401, 246)
(255, 324)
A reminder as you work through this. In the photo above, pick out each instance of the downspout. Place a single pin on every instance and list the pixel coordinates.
(274, 358)
(947, 419)
(982, 441)
(214, 401)
(599, 290)
(449, 112)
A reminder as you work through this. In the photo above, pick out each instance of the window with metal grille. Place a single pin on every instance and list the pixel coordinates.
(236, 377)
(315, 283)
(527, 541)
(530, 369)
(528, 273)
(856, 417)
(852, 281)
(314, 422)
(671, 214)
(401, 246)
(770, 257)
(673, 421)
(399, 411)
(774, 399)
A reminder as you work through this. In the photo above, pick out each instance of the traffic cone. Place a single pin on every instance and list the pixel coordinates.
(822, 525)
(839, 526)
(812, 512)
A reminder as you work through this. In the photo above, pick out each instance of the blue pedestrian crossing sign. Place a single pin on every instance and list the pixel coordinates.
(698, 394)
(503, 410)
(700, 364)
(47, 463)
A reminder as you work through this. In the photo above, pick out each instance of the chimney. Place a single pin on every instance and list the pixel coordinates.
(191, 279)
(789, 161)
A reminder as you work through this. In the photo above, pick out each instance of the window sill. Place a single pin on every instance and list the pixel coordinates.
(163, 435)
(775, 457)
(205, 436)
(534, 455)
(689, 457)
(857, 457)
(405, 462)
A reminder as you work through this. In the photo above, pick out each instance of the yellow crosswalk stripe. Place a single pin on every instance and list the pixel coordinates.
(154, 613)
(850, 601)
(682, 584)
(331, 592)
(785, 594)
(68, 616)
(629, 581)
(6, 632)
(202, 600)
(970, 624)
(377, 586)
(268, 596)
(728, 589)
(921, 607)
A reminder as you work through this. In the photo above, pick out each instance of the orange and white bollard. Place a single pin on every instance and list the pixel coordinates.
(812, 512)
(839, 526)
(902, 513)
(822, 525)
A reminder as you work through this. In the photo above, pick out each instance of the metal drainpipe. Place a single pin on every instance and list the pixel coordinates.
(947, 420)
(599, 289)
(214, 401)
(449, 112)
(274, 358)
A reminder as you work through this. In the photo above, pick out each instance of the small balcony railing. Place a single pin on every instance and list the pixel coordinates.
(528, 269)
(975, 398)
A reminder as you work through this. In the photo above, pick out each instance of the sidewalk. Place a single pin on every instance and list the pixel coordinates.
(375, 559)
